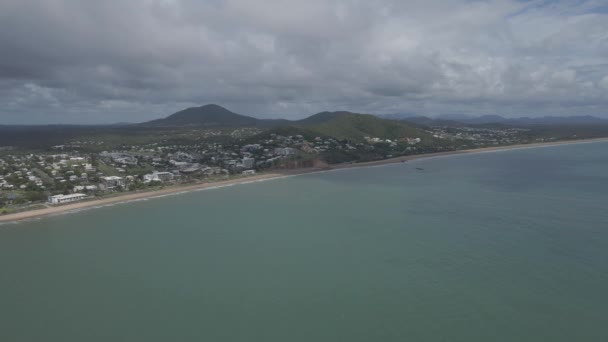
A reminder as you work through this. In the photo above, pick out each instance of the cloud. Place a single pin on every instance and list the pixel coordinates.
(604, 82)
(107, 61)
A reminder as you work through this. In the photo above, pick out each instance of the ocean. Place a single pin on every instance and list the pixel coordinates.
(501, 246)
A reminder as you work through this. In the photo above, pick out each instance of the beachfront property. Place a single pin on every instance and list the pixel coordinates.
(111, 182)
(61, 199)
(159, 177)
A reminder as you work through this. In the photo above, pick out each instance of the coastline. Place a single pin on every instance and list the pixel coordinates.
(128, 197)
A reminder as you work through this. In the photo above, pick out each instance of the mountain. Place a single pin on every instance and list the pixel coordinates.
(346, 125)
(320, 118)
(456, 120)
(526, 121)
(210, 116)
(558, 120)
(341, 124)
(353, 126)
(426, 121)
(398, 116)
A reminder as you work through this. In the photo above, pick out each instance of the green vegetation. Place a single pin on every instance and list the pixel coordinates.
(355, 127)
(107, 169)
(307, 133)
(189, 126)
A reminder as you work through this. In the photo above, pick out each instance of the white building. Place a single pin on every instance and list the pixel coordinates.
(87, 188)
(112, 182)
(60, 199)
(413, 141)
(159, 177)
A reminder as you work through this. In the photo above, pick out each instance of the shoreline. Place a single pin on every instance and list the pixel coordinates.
(128, 197)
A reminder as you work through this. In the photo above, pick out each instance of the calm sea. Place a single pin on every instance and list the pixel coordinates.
(505, 246)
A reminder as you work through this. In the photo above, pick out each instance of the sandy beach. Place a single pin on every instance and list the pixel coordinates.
(55, 210)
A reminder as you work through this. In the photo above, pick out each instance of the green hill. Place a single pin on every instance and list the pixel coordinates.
(340, 125)
(320, 118)
(352, 126)
(210, 116)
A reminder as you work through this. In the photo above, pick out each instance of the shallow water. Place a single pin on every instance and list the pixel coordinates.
(504, 246)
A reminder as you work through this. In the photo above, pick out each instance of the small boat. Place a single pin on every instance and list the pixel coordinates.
(419, 168)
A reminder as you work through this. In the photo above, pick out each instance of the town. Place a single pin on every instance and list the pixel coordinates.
(68, 173)
(89, 168)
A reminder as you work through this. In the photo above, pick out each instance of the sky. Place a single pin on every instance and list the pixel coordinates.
(90, 62)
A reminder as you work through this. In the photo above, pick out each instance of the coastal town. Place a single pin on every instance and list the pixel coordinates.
(65, 174)
(482, 136)
(75, 171)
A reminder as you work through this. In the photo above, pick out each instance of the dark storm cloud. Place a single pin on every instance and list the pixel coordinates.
(105, 61)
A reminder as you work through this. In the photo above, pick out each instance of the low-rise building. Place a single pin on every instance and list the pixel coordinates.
(111, 182)
(60, 199)
(87, 188)
(159, 177)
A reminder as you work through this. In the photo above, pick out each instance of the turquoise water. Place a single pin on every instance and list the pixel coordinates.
(506, 246)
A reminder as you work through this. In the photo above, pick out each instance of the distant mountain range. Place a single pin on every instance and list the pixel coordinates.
(215, 116)
(341, 124)
(456, 119)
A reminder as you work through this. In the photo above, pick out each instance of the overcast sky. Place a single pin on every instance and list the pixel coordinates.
(109, 61)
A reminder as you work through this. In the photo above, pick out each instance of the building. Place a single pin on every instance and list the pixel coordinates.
(159, 177)
(413, 141)
(60, 199)
(248, 172)
(112, 182)
(165, 176)
(284, 151)
(87, 188)
(248, 163)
